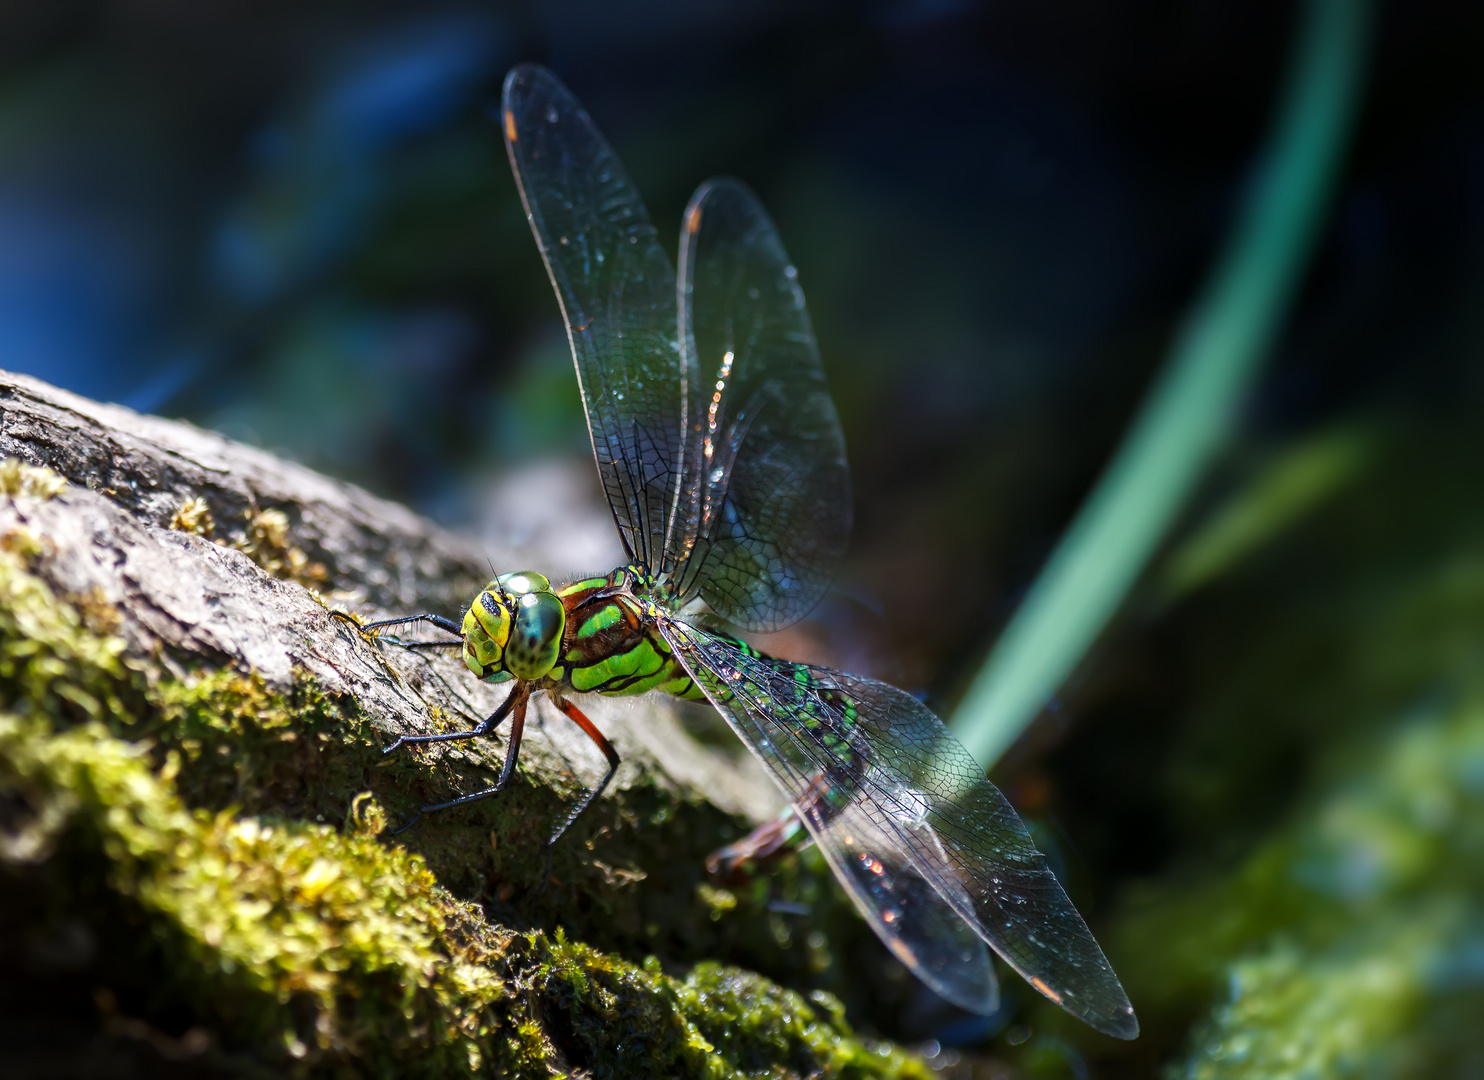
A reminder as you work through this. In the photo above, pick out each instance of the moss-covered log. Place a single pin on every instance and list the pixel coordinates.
(195, 877)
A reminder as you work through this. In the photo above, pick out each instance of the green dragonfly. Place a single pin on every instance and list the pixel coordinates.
(723, 462)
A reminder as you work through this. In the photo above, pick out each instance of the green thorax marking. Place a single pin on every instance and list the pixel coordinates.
(612, 645)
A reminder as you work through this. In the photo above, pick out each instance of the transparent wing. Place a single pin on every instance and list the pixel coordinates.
(715, 436)
(922, 930)
(889, 763)
(617, 292)
(765, 508)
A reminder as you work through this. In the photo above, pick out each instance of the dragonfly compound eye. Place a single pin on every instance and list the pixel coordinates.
(486, 632)
(523, 581)
(536, 636)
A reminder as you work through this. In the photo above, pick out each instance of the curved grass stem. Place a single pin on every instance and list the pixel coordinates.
(1190, 409)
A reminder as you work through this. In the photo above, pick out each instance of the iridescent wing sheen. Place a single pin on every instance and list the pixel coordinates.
(764, 508)
(907, 913)
(898, 778)
(617, 292)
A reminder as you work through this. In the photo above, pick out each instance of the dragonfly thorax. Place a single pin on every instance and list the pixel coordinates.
(514, 628)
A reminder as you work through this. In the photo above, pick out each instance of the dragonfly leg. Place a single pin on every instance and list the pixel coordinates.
(590, 729)
(516, 702)
(765, 845)
(485, 727)
(439, 621)
(417, 646)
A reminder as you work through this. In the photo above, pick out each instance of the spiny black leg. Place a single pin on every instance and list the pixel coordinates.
(415, 646)
(486, 726)
(590, 729)
(517, 699)
(437, 620)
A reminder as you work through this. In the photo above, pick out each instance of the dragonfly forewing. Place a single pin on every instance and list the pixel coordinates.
(616, 287)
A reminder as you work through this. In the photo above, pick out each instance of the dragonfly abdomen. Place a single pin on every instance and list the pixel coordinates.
(819, 716)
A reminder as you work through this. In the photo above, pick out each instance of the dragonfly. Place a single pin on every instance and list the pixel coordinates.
(723, 462)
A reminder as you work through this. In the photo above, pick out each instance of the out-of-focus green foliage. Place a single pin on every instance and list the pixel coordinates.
(1298, 485)
(1344, 943)
(1328, 778)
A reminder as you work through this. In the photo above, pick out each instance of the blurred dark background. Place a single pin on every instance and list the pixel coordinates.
(294, 222)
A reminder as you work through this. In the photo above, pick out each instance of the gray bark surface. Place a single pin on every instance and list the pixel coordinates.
(184, 599)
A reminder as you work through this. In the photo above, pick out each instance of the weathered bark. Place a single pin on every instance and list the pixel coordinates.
(184, 599)
(212, 567)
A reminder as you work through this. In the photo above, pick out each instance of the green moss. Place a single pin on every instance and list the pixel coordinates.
(1358, 925)
(1293, 1013)
(53, 664)
(1330, 777)
(18, 478)
(295, 940)
(194, 516)
(617, 1019)
(163, 821)
(266, 542)
(264, 539)
(239, 742)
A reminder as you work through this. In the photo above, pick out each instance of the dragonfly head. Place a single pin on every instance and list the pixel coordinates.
(514, 628)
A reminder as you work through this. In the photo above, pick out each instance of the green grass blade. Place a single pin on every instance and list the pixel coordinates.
(1190, 408)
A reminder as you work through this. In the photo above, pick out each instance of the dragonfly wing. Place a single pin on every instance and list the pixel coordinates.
(763, 448)
(921, 929)
(616, 288)
(885, 754)
(908, 914)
